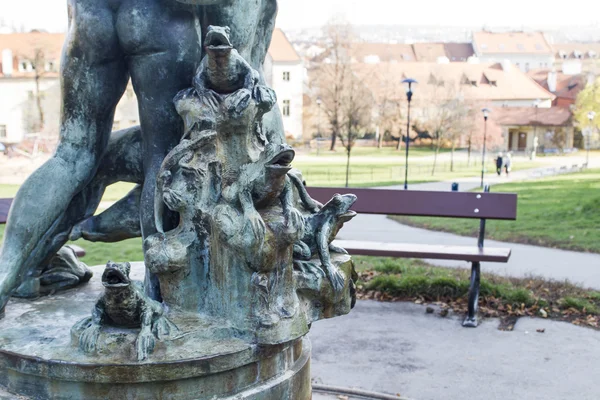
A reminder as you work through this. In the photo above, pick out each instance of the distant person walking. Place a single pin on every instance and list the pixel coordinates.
(499, 162)
(507, 163)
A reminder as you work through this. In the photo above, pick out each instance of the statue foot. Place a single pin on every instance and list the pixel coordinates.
(164, 329)
(89, 338)
(336, 278)
(308, 268)
(144, 344)
(238, 102)
(64, 271)
(302, 251)
(336, 249)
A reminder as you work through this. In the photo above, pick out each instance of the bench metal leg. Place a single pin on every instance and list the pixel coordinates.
(471, 320)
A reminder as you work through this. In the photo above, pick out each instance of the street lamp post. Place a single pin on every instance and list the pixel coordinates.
(486, 113)
(409, 93)
(536, 104)
(591, 115)
(319, 102)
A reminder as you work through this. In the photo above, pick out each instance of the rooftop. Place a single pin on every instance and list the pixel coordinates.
(529, 116)
(383, 51)
(25, 45)
(577, 51)
(567, 86)
(511, 43)
(281, 50)
(429, 52)
(479, 82)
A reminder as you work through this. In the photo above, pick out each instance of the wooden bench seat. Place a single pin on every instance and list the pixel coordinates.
(434, 252)
(4, 207)
(481, 206)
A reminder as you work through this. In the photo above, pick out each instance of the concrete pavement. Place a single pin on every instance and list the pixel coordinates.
(397, 348)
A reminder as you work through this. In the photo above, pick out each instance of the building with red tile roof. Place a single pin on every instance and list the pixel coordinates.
(526, 50)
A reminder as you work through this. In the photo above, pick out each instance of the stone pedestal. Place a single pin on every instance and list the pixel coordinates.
(208, 360)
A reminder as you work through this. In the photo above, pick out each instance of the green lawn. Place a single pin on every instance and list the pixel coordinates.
(385, 169)
(390, 279)
(561, 212)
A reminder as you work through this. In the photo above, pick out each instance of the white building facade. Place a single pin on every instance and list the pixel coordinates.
(19, 94)
(284, 72)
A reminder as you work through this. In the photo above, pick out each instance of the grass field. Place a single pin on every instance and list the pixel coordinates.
(561, 212)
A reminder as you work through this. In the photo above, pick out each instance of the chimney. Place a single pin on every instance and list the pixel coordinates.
(552, 76)
(506, 65)
(7, 62)
(591, 78)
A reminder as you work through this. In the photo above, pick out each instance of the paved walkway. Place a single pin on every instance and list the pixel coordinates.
(396, 348)
(525, 261)
(465, 184)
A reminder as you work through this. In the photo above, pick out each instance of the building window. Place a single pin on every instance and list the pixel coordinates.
(50, 67)
(286, 76)
(286, 108)
(2, 131)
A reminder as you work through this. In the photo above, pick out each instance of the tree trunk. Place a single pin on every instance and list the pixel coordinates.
(452, 157)
(333, 139)
(38, 101)
(437, 150)
(469, 152)
(348, 150)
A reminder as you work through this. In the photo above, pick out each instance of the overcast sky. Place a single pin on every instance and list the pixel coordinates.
(51, 14)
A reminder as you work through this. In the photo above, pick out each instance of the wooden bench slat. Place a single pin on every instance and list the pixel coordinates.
(501, 206)
(439, 252)
(4, 207)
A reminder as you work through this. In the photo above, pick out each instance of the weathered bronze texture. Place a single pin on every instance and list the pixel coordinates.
(238, 258)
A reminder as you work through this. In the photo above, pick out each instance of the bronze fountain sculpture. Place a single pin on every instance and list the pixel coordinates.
(238, 258)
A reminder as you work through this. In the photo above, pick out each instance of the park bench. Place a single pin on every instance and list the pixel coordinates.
(5, 206)
(482, 206)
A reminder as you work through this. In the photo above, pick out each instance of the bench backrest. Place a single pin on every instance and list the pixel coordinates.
(407, 202)
(501, 206)
(4, 207)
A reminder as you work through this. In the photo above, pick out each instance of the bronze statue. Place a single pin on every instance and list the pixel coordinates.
(155, 43)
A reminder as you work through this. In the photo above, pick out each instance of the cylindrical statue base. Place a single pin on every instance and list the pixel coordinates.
(40, 358)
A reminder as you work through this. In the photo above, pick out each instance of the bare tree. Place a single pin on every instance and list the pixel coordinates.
(39, 69)
(357, 105)
(443, 116)
(332, 74)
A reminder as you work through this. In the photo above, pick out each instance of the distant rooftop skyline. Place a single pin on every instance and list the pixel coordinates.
(294, 14)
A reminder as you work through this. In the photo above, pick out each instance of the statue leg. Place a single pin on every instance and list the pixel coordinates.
(119, 222)
(163, 62)
(94, 78)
